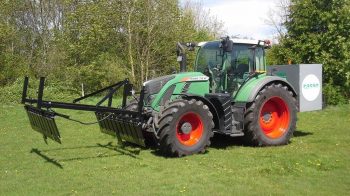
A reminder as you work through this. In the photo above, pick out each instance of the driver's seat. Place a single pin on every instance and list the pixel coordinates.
(240, 70)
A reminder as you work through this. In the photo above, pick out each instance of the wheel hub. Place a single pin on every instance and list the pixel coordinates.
(186, 128)
(267, 117)
(189, 129)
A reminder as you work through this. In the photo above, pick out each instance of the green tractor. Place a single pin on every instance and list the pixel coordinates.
(229, 93)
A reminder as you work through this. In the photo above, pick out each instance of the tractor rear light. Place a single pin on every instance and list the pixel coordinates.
(268, 42)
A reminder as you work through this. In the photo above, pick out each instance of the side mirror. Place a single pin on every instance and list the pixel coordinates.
(227, 44)
(191, 46)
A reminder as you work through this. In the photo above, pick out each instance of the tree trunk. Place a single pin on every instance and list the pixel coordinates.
(131, 59)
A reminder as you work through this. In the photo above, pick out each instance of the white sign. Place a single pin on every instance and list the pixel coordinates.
(195, 78)
(311, 87)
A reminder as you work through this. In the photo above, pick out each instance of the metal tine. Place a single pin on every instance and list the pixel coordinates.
(103, 124)
(97, 114)
(141, 137)
(114, 125)
(120, 128)
(100, 123)
(139, 133)
(127, 129)
(130, 126)
(123, 128)
(115, 128)
(37, 123)
(31, 119)
(110, 127)
(133, 132)
(43, 127)
(47, 127)
(53, 128)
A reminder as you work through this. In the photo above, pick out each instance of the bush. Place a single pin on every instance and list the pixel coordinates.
(333, 95)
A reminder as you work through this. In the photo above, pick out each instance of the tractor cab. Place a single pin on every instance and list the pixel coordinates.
(228, 63)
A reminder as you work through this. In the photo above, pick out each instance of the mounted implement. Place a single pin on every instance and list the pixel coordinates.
(230, 93)
(125, 124)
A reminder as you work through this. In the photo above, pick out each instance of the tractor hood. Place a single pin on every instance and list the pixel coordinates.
(155, 88)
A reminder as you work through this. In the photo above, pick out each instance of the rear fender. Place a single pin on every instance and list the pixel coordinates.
(250, 89)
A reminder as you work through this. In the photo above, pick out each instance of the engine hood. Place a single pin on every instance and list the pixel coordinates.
(156, 88)
(153, 86)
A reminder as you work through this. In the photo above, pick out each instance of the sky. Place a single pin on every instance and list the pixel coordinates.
(245, 18)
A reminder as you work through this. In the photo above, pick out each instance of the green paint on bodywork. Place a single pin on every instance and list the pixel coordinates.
(248, 88)
(197, 87)
(201, 88)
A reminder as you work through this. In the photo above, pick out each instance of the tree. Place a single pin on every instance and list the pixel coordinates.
(97, 42)
(318, 32)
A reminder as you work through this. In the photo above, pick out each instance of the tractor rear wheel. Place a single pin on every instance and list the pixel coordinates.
(185, 127)
(271, 119)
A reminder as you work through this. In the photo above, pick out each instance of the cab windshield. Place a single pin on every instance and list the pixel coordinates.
(209, 56)
(242, 58)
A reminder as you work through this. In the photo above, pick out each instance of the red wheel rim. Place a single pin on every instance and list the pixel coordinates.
(194, 136)
(274, 117)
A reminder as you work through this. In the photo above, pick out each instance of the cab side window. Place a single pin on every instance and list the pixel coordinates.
(242, 60)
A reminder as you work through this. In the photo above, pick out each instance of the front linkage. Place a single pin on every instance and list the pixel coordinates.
(126, 125)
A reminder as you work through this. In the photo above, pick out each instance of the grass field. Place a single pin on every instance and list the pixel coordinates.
(316, 162)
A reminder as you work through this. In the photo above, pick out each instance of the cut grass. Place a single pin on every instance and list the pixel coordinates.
(316, 162)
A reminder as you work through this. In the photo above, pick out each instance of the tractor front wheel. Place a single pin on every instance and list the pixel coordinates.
(185, 127)
(271, 119)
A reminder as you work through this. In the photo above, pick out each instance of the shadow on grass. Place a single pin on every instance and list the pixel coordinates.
(223, 141)
(48, 159)
(122, 150)
(220, 141)
(300, 133)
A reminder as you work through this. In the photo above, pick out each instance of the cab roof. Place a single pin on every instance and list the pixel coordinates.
(236, 41)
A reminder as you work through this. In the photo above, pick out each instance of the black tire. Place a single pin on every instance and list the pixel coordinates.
(271, 119)
(173, 141)
(131, 105)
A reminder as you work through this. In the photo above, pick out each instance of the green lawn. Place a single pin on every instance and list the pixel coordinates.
(316, 162)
